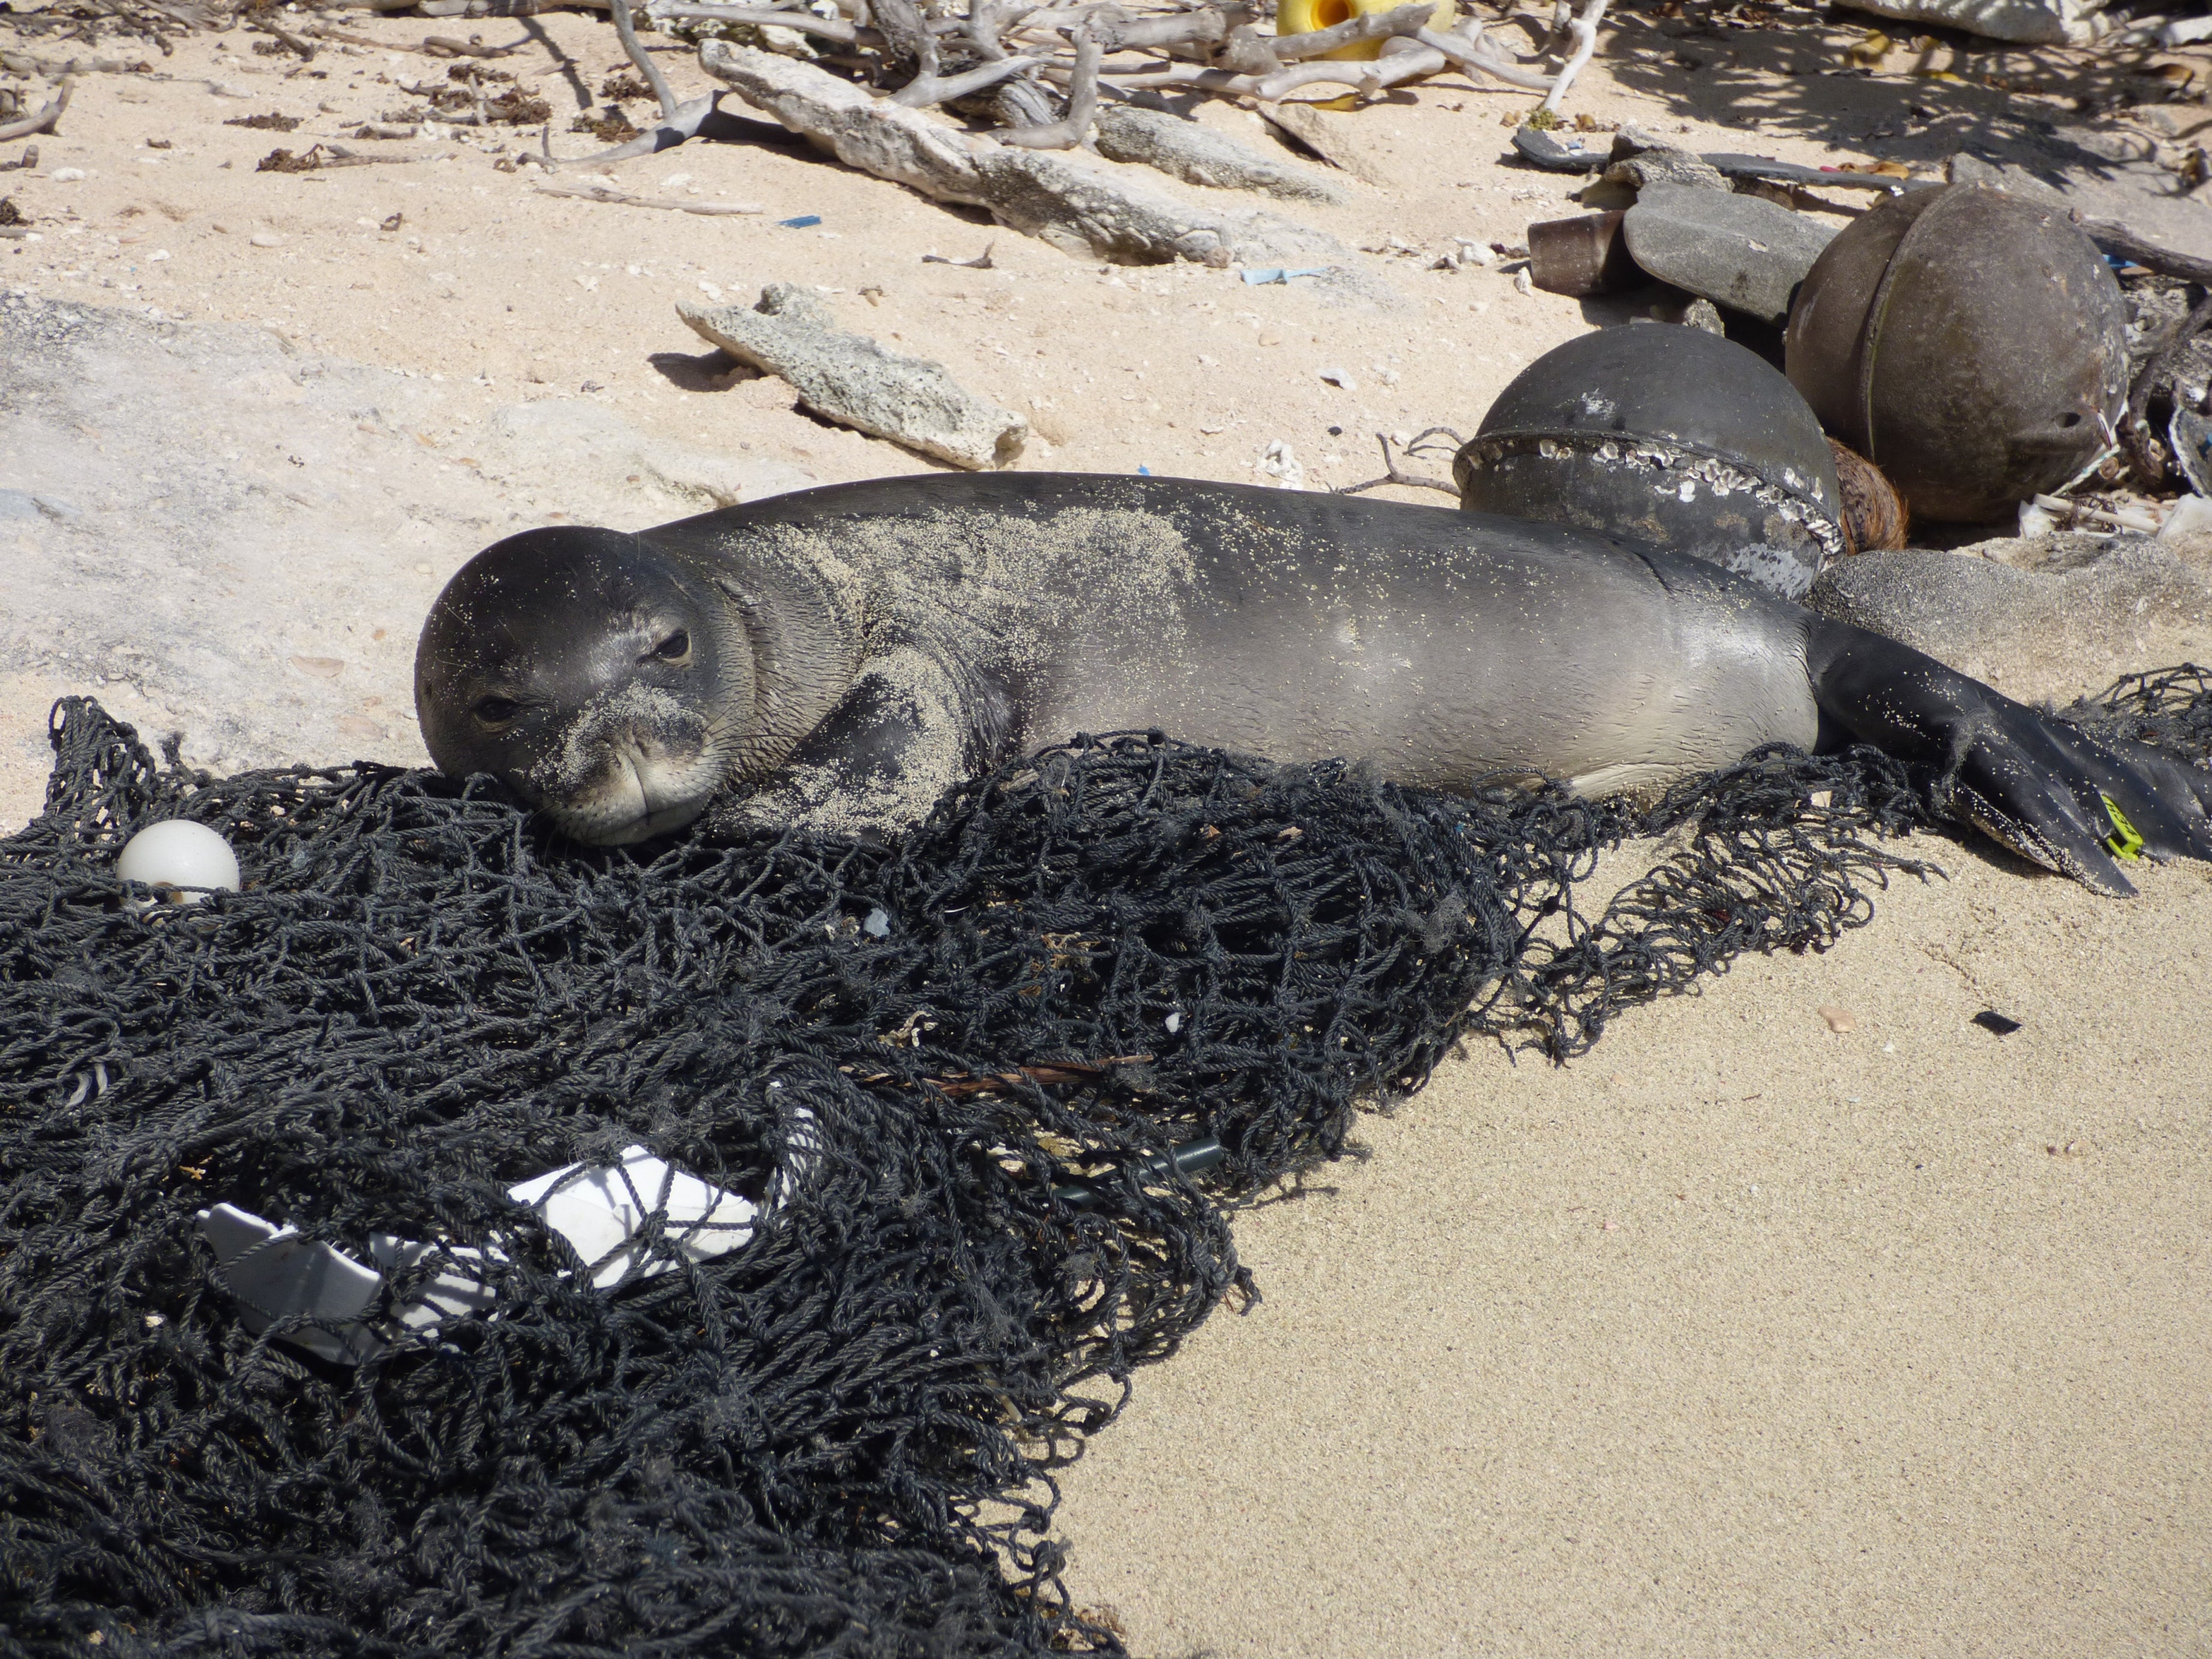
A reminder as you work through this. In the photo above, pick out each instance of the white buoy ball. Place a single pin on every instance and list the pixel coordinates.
(179, 853)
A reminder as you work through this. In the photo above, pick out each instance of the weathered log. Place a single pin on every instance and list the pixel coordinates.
(1060, 199)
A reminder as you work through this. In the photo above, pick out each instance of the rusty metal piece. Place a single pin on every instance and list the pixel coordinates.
(1586, 254)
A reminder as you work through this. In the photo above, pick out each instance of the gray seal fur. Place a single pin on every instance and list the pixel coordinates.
(849, 653)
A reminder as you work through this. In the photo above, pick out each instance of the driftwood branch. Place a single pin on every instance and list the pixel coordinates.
(1422, 50)
(683, 124)
(303, 49)
(1047, 59)
(829, 28)
(441, 45)
(46, 119)
(1584, 30)
(626, 27)
(23, 63)
(1071, 129)
(987, 20)
(905, 31)
(1207, 26)
(325, 32)
(2113, 237)
(1394, 474)
(2141, 452)
(1060, 199)
(1375, 26)
(1467, 54)
(590, 193)
(925, 90)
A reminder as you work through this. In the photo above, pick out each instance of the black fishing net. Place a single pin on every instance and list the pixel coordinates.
(955, 1071)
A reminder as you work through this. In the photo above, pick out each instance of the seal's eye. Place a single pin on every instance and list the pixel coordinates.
(496, 711)
(675, 648)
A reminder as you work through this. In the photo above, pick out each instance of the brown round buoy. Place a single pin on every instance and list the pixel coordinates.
(1875, 516)
(1971, 343)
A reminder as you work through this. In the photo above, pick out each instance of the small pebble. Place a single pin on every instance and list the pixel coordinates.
(1339, 377)
(1522, 283)
(66, 175)
(266, 238)
(1840, 1020)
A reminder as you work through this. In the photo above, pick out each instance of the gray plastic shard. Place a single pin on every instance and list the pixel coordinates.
(276, 1276)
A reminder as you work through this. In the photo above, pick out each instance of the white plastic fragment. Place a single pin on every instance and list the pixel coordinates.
(2191, 516)
(447, 1294)
(878, 923)
(601, 1211)
(178, 854)
(275, 1274)
(2035, 521)
(1173, 1022)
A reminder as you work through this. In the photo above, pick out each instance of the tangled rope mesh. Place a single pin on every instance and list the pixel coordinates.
(986, 1040)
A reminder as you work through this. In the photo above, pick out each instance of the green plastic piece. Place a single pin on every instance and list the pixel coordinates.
(2124, 843)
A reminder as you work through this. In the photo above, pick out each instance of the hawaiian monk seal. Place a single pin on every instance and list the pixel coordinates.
(840, 657)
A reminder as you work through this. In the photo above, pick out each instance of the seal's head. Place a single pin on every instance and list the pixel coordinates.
(590, 673)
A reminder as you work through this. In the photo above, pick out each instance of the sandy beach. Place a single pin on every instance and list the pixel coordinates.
(1742, 1334)
(1738, 1336)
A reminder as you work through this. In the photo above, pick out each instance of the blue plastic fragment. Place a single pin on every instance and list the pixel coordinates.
(801, 222)
(1144, 472)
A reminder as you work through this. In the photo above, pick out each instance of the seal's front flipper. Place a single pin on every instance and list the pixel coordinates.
(2050, 792)
(900, 738)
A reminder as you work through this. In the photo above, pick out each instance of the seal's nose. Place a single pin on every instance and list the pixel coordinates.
(636, 762)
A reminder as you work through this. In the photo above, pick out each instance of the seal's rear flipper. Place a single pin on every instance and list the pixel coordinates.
(2050, 792)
